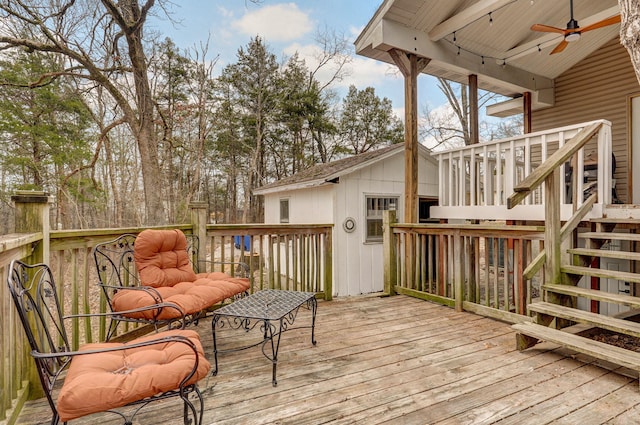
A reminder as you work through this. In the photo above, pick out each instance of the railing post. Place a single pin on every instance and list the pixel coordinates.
(388, 247)
(32, 216)
(552, 237)
(199, 222)
(458, 280)
(328, 265)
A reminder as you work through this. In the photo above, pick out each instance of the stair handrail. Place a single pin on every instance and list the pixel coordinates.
(549, 173)
(536, 264)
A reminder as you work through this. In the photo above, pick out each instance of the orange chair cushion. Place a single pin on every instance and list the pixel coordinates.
(230, 285)
(163, 264)
(162, 258)
(102, 381)
(189, 297)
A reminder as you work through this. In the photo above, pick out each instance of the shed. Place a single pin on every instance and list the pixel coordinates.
(351, 194)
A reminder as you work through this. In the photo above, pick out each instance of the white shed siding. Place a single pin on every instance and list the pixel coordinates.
(357, 265)
(307, 206)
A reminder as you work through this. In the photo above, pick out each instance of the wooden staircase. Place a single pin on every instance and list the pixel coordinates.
(554, 318)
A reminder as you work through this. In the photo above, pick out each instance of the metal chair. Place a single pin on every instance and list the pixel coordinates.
(121, 284)
(102, 377)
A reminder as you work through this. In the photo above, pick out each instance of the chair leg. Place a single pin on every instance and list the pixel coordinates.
(189, 407)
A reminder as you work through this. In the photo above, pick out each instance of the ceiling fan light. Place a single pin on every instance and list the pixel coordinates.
(572, 36)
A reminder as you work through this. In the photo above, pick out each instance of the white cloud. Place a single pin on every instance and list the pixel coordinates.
(368, 72)
(355, 31)
(223, 11)
(279, 22)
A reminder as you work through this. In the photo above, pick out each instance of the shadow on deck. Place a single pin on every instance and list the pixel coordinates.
(397, 360)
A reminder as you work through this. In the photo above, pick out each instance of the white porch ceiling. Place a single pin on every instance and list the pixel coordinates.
(516, 59)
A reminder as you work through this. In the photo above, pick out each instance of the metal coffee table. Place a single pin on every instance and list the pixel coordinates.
(274, 310)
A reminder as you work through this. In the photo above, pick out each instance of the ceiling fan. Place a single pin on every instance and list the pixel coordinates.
(573, 30)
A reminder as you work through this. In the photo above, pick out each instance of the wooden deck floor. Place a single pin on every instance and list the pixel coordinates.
(399, 360)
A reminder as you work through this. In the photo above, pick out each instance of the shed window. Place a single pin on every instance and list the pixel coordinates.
(284, 210)
(375, 206)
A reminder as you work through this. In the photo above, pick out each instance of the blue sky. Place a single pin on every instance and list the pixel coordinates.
(286, 27)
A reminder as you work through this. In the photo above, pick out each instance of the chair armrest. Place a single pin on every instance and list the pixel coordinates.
(135, 310)
(151, 291)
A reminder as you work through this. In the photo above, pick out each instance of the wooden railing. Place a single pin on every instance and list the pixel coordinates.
(279, 256)
(477, 268)
(292, 257)
(16, 365)
(549, 173)
(476, 180)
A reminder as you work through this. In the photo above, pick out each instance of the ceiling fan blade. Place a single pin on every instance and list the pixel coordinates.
(560, 47)
(605, 22)
(546, 28)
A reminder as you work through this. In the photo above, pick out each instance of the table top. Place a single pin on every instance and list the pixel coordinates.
(268, 304)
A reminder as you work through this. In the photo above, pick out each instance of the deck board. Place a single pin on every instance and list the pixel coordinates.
(397, 360)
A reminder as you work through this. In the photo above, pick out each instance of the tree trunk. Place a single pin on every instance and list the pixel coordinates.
(630, 31)
(147, 141)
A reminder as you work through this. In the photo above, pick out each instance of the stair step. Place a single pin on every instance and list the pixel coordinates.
(611, 353)
(606, 253)
(610, 236)
(605, 220)
(593, 294)
(602, 273)
(626, 327)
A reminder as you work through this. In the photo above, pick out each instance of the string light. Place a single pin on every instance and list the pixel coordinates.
(499, 61)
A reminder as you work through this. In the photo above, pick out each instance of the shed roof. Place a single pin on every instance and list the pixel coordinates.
(322, 174)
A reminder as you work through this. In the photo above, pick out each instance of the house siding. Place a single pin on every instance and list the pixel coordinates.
(597, 88)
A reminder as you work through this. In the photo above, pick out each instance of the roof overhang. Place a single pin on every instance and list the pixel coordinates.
(540, 99)
(508, 58)
(446, 62)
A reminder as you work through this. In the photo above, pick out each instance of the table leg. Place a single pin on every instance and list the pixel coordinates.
(313, 305)
(275, 346)
(214, 321)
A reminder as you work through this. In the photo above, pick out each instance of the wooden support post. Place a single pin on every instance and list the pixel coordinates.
(32, 216)
(552, 235)
(328, 266)
(410, 66)
(526, 107)
(199, 222)
(458, 280)
(389, 249)
(474, 122)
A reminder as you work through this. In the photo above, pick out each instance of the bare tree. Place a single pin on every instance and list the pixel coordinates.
(102, 41)
(630, 31)
(449, 125)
